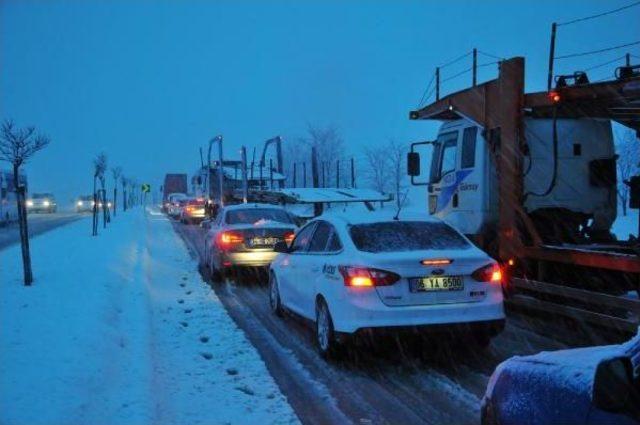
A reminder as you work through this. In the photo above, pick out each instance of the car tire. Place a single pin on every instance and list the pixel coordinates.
(214, 273)
(326, 341)
(274, 296)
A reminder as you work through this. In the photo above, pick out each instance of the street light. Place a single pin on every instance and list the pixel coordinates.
(218, 139)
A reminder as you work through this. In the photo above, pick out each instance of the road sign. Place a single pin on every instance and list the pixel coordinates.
(146, 187)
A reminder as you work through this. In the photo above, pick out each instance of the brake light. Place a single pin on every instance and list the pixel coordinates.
(490, 273)
(228, 239)
(288, 237)
(363, 276)
(436, 262)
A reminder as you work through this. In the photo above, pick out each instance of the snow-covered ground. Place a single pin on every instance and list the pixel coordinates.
(120, 329)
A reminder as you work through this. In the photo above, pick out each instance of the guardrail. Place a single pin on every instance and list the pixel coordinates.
(609, 311)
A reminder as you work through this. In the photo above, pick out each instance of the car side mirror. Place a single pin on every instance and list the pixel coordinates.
(612, 384)
(413, 164)
(206, 224)
(281, 247)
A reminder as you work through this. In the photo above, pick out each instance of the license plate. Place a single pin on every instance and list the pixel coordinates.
(437, 283)
(266, 241)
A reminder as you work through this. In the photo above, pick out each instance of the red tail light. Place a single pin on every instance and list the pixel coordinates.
(363, 276)
(288, 237)
(228, 239)
(490, 273)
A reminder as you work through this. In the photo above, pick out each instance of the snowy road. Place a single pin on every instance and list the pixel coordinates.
(38, 223)
(391, 382)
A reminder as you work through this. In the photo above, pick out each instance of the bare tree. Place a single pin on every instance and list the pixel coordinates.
(99, 168)
(628, 163)
(115, 172)
(329, 147)
(124, 181)
(396, 157)
(377, 172)
(17, 146)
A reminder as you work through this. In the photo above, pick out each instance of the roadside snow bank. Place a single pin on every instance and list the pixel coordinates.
(120, 329)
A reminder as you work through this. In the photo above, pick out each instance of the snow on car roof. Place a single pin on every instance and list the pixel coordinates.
(329, 194)
(573, 368)
(359, 217)
(251, 205)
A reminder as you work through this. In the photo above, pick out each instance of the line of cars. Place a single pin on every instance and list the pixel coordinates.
(354, 274)
(186, 209)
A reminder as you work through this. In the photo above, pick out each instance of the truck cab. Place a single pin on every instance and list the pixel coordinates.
(569, 181)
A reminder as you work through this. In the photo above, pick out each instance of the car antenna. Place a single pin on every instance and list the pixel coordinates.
(397, 216)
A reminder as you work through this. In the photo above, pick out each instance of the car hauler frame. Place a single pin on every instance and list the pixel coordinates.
(499, 106)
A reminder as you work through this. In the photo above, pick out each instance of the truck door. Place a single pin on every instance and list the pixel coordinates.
(443, 174)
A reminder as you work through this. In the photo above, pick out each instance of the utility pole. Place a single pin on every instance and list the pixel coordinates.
(552, 53)
(353, 174)
(475, 66)
(438, 83)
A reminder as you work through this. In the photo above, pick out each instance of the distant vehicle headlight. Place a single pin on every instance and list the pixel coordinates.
(100, 204)
(45, 203)
(29, 203)
(109, 204)
(80, 203)
(93, 203)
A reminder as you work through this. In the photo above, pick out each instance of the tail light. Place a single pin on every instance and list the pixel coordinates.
(190, 209)
(227, 240)
(363, 276)
(288, 237)
(489, 273)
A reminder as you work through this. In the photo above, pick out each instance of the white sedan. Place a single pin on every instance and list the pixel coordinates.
(357, 273)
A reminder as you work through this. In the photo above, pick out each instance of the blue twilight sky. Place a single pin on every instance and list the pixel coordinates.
(148, 82)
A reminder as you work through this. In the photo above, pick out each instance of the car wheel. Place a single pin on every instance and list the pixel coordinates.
(274, 296)
(325, 334)
(214, 273)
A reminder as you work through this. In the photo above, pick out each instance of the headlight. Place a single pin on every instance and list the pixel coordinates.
(100, 204)
(109, 204)
(93, 203)
(45, 203)
(29, 203)
(79, 203)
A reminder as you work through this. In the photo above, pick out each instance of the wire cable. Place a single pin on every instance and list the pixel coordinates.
(451, 62)
(456, 75)
(593, 52)
(490, 55)
(604, 64)
(422, 99)
(599, 15)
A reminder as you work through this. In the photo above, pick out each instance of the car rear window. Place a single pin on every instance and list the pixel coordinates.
(396, 236)
(254, 215)
(196, 202)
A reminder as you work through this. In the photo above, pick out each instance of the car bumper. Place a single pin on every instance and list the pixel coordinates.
(250, 259)
(366, 311)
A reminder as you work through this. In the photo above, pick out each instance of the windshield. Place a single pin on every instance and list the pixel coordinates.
(41, 195)
(397, 236)
(254, 215)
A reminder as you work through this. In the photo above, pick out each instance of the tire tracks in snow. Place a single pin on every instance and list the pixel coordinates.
(370, 394)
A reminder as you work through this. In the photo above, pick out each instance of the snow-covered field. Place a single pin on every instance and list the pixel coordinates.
(120, 329)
